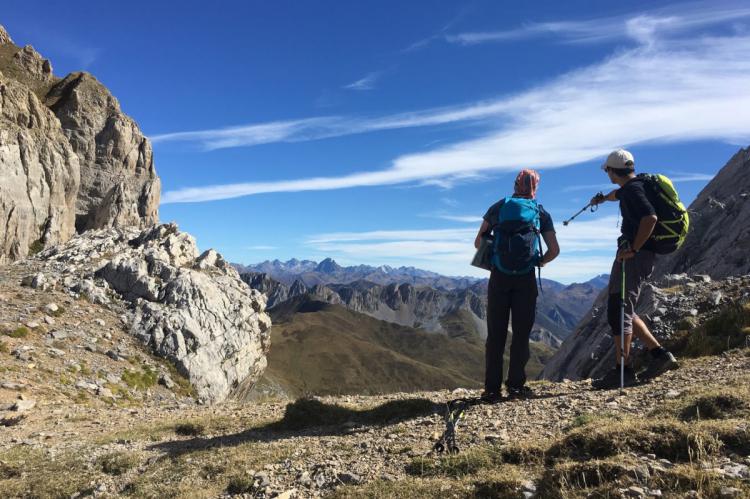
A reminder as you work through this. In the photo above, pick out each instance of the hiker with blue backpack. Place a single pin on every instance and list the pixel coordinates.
(516, 226)
(654, 221)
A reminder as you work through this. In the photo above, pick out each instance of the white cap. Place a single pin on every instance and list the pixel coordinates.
(619, 160)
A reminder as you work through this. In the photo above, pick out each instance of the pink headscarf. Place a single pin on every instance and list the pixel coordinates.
(526, 184)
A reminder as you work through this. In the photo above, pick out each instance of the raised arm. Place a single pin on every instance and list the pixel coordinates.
(484, 228)
(600, 199)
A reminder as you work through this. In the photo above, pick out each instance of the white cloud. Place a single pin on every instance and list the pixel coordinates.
(692, 177)
(671, 91)
(322, 127)
(460, 218)
(643, 28)
(261, 247)
(365, 83)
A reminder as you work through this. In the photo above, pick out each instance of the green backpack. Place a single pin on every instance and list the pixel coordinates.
(673, 219)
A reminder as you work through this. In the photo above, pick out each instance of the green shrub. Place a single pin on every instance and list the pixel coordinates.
(140, 380)
(19, 332)
(240, 484)
(117, 463)
(190, 429)
(36, 247)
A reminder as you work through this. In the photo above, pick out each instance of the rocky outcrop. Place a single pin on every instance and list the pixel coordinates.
(33, 64)
(39, 174)
(192, 309)
(4, 37)
(84, 150)
(665, 306)
(119, 185)
(718, 243)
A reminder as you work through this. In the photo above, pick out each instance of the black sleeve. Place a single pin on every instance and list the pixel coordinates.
(636, 202)
(492, 213)
(545, 221)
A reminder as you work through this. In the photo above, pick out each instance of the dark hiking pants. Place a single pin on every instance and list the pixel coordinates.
(508, 296)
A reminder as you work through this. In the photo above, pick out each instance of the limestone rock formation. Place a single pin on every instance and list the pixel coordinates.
(84, 150)
(119, 185)
(192, 309)
(4, 37)
(718, 243)
(36, 66)
(39, 174)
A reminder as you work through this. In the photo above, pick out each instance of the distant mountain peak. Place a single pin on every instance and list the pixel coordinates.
(328, 266)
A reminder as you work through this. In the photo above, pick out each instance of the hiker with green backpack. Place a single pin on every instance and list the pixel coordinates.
(516, 226)
(654, 221)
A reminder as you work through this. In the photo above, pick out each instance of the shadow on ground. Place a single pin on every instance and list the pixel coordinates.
(310, 417)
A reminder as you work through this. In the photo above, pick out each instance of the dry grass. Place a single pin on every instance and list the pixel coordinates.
(729, 329)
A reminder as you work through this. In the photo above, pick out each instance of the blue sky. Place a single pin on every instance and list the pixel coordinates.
(380, 132)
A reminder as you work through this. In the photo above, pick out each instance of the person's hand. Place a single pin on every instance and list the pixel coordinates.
(625, 254)
(599, 198)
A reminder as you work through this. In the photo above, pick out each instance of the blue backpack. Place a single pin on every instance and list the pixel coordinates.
(517, 245)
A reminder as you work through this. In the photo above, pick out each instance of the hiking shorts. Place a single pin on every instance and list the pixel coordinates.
(637, 270)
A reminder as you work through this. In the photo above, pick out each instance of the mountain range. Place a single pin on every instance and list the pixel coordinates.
(416, 298)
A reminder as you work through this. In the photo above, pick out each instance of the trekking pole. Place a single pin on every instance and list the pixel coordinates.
(622, 328)
(592, 206)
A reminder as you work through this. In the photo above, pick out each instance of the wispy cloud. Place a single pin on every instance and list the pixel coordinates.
(322, 127)
(444, 250)
(630, 98)
(674, 177)
(365, 83)
(642, 28)
(261, 247)
(692, 177)
(460, 218)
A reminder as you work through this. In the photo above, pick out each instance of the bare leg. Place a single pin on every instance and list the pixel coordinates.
(642, 332)
(628, 342)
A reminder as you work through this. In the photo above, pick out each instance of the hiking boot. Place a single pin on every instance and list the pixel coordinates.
(666, 361)
(491, 397)
(520, 392)
(612, 379)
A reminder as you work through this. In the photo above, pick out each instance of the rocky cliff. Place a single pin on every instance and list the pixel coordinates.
(119, 185)
(39, 174)
(70, 160)
(717, 246)
(718, 243)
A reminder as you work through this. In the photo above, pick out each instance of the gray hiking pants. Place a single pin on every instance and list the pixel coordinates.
(637, 271)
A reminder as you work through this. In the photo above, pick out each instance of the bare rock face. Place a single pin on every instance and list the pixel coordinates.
(192, 309)
(119, 185)
(84, 149)
(33, 64)
(39, 174)
(718, 243)
(4, 37)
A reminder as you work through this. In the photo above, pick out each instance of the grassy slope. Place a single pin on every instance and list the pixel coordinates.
(327, 349)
